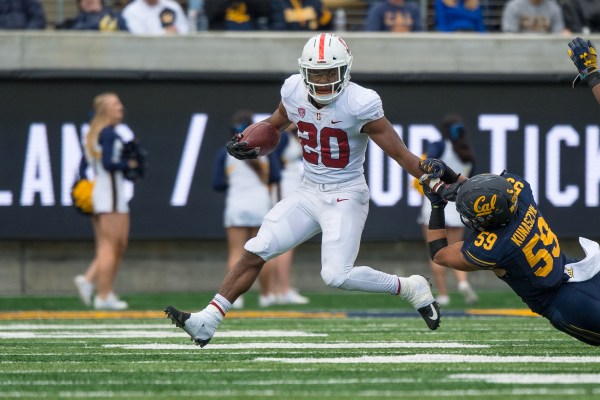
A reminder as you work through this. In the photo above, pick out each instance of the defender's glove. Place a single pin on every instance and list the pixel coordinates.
(435, 200)
(447, 192)
(584, 57)
(435, 168)
(240, 150)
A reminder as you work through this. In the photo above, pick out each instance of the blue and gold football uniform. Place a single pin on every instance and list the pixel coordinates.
(529, 252)
(526, 248)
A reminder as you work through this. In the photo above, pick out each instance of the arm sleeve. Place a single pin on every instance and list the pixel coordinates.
(219, 178)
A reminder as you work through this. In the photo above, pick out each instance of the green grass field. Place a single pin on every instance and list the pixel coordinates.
(343, 356)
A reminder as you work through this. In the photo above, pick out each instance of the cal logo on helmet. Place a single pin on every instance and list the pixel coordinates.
(483, 206)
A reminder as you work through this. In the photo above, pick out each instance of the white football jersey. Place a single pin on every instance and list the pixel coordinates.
(332, 144)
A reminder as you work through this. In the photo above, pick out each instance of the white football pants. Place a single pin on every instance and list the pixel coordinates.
(337, 210)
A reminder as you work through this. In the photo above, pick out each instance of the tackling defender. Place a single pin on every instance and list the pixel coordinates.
(509, 236)
(335, 119)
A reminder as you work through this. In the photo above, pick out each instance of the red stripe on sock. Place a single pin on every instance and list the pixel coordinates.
(214, 303)
(398, 291)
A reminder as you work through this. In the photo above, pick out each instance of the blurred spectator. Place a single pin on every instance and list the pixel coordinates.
(455, 150)
(532, 16)
(581, 16)
(247, 201)
(300, 15)
(459, 16)
(289, 151)
(22, 14)
(94, 16)
(235, 15)
(155, 17)
(394, 16)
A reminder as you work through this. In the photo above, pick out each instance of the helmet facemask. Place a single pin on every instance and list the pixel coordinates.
(481, 224)
(330, 82)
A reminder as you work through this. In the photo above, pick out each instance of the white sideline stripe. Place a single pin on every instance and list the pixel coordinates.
(472, 393)
(253, 382)
(432, 358)
(558, 379)
(267, 345)
(34, 327)
(166, 333)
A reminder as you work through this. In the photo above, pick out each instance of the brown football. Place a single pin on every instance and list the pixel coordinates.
(261, 135)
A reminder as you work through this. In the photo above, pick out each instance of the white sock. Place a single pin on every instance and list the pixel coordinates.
(367, 279)
(220, 305)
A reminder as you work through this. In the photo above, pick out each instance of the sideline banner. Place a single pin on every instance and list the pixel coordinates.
(546, 132)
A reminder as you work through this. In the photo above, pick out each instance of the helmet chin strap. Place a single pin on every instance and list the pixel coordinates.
(324, 101)
(315, 102)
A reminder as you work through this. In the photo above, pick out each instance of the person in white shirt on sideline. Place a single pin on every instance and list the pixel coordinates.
(155, 17)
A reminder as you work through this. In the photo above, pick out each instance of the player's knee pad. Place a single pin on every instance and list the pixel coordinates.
(257, 245)
(334, 278)
(260, 246)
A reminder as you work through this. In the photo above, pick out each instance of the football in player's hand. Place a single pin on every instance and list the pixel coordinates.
(261, 135)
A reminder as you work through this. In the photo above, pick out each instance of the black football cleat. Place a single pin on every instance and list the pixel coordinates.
(431, 314)
(177, 317)
(200, 328)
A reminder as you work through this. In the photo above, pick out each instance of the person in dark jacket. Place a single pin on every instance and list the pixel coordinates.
(95, 16)
(238, 15)
(394, 16)
(22, 14)
(582, 16)
(300, 15)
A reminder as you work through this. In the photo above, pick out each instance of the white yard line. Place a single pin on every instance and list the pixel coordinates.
(433, 358)
(271, 345)
(33, 327)
(557, 379)
(398, 393)
(166, 332)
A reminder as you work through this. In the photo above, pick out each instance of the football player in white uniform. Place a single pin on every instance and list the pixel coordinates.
(335, 119)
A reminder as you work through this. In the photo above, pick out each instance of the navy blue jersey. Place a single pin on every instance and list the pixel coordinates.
(526, 248)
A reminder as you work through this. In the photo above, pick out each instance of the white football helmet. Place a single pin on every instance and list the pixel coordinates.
(325, 66)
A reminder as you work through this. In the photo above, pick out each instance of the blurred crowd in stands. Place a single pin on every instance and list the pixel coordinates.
(157, 17)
